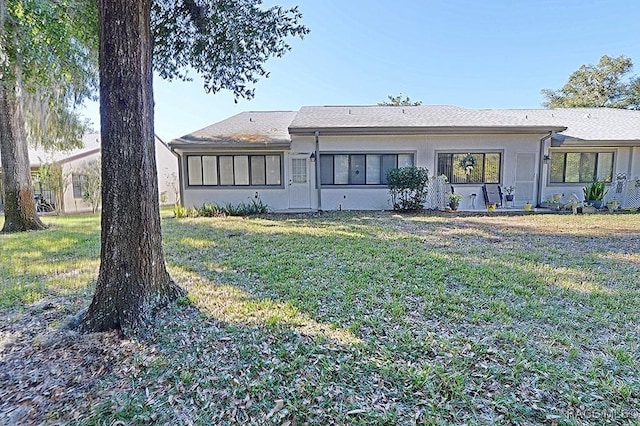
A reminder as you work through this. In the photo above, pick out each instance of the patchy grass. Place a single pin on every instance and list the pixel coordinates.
(347, 318)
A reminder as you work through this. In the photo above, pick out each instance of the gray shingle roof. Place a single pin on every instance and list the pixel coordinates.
(590, 124)
(273, 128)
(423, 117)
(251, 128)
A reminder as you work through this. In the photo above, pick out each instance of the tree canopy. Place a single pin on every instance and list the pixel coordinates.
(48, 64)
(50, 51)
(399, 101)
(610, 83)
(225, 41)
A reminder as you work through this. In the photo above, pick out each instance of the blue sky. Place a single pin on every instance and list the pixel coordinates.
(470, 53)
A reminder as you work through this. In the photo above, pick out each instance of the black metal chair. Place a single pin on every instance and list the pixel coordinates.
(492, 194)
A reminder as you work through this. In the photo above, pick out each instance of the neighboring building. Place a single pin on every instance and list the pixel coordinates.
(74, 165)
(336, 157)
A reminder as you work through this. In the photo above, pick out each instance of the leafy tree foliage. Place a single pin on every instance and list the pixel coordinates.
(607, 84)
(47, 65)
(399, 101)
(53, 177)
(225, 41)
(92, 183)
(408, 187)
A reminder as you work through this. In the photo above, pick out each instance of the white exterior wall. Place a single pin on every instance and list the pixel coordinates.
(424, 147)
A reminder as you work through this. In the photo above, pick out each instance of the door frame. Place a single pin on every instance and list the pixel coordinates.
(307, 204)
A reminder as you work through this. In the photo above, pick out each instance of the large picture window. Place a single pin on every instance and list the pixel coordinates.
(486, 170)
(580, 167)
(234, 170)
(360, 169)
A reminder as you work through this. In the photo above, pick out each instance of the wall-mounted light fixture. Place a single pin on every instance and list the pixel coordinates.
(546, 158)
(312, 157)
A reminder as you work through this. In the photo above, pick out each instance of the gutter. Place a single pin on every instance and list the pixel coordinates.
(422, 130)
(541, 167)
(317, 154)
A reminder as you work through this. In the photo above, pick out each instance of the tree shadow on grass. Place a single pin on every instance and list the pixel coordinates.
(363, 323)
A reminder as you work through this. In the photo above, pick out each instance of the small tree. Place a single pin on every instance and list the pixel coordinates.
(408, 187)
(399, 101)
(52, 176)
(92, 184)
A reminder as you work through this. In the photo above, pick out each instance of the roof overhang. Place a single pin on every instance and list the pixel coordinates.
(569, 141)
(430, 130)
(217, 146)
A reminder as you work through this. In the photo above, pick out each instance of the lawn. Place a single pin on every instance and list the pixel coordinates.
(337, 318)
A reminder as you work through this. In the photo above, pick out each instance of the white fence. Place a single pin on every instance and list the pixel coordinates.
(626, 191)
(437, 190)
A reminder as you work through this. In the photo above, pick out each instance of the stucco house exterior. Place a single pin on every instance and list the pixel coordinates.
(336, 157)
(75, 162)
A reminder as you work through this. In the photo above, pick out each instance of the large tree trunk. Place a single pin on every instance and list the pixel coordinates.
(133, 281)
(19, 203)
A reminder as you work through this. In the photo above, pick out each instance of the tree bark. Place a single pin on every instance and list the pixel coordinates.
(19, 203)
(133, 281)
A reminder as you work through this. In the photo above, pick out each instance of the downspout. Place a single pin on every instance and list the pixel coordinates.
(179, 175)
(317, 153)
(541, 168)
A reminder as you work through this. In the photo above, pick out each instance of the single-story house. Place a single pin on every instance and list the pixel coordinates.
(337, 157)
(76, 164)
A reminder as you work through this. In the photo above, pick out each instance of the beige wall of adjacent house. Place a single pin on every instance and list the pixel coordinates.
(168, 184)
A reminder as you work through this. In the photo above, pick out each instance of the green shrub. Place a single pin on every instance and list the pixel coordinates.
(257, 206)
(179, 211)
(595, 191)
(408, 187)
(209, 210)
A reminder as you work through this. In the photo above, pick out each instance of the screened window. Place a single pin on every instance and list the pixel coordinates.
(234, 170)
(360, 169)
(580, 167)
(78, 182)
(486, 170)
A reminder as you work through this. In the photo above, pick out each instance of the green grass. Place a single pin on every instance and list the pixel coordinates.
(368, 318)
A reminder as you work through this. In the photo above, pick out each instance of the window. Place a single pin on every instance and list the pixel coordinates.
(487, 169)
(78, 182)
(580, 167)
(234, 170)
(360, 169)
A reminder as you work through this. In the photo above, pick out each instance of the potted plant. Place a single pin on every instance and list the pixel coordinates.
(454, 200)
(491, 207)
(595, 192)
(509, 190)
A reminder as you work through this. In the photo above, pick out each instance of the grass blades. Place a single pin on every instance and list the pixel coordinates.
(367, 318)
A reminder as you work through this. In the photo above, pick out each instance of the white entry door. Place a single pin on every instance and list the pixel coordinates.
(525, 178)
(299, 189)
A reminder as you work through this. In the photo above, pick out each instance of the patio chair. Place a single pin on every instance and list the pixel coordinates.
(492, 194)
